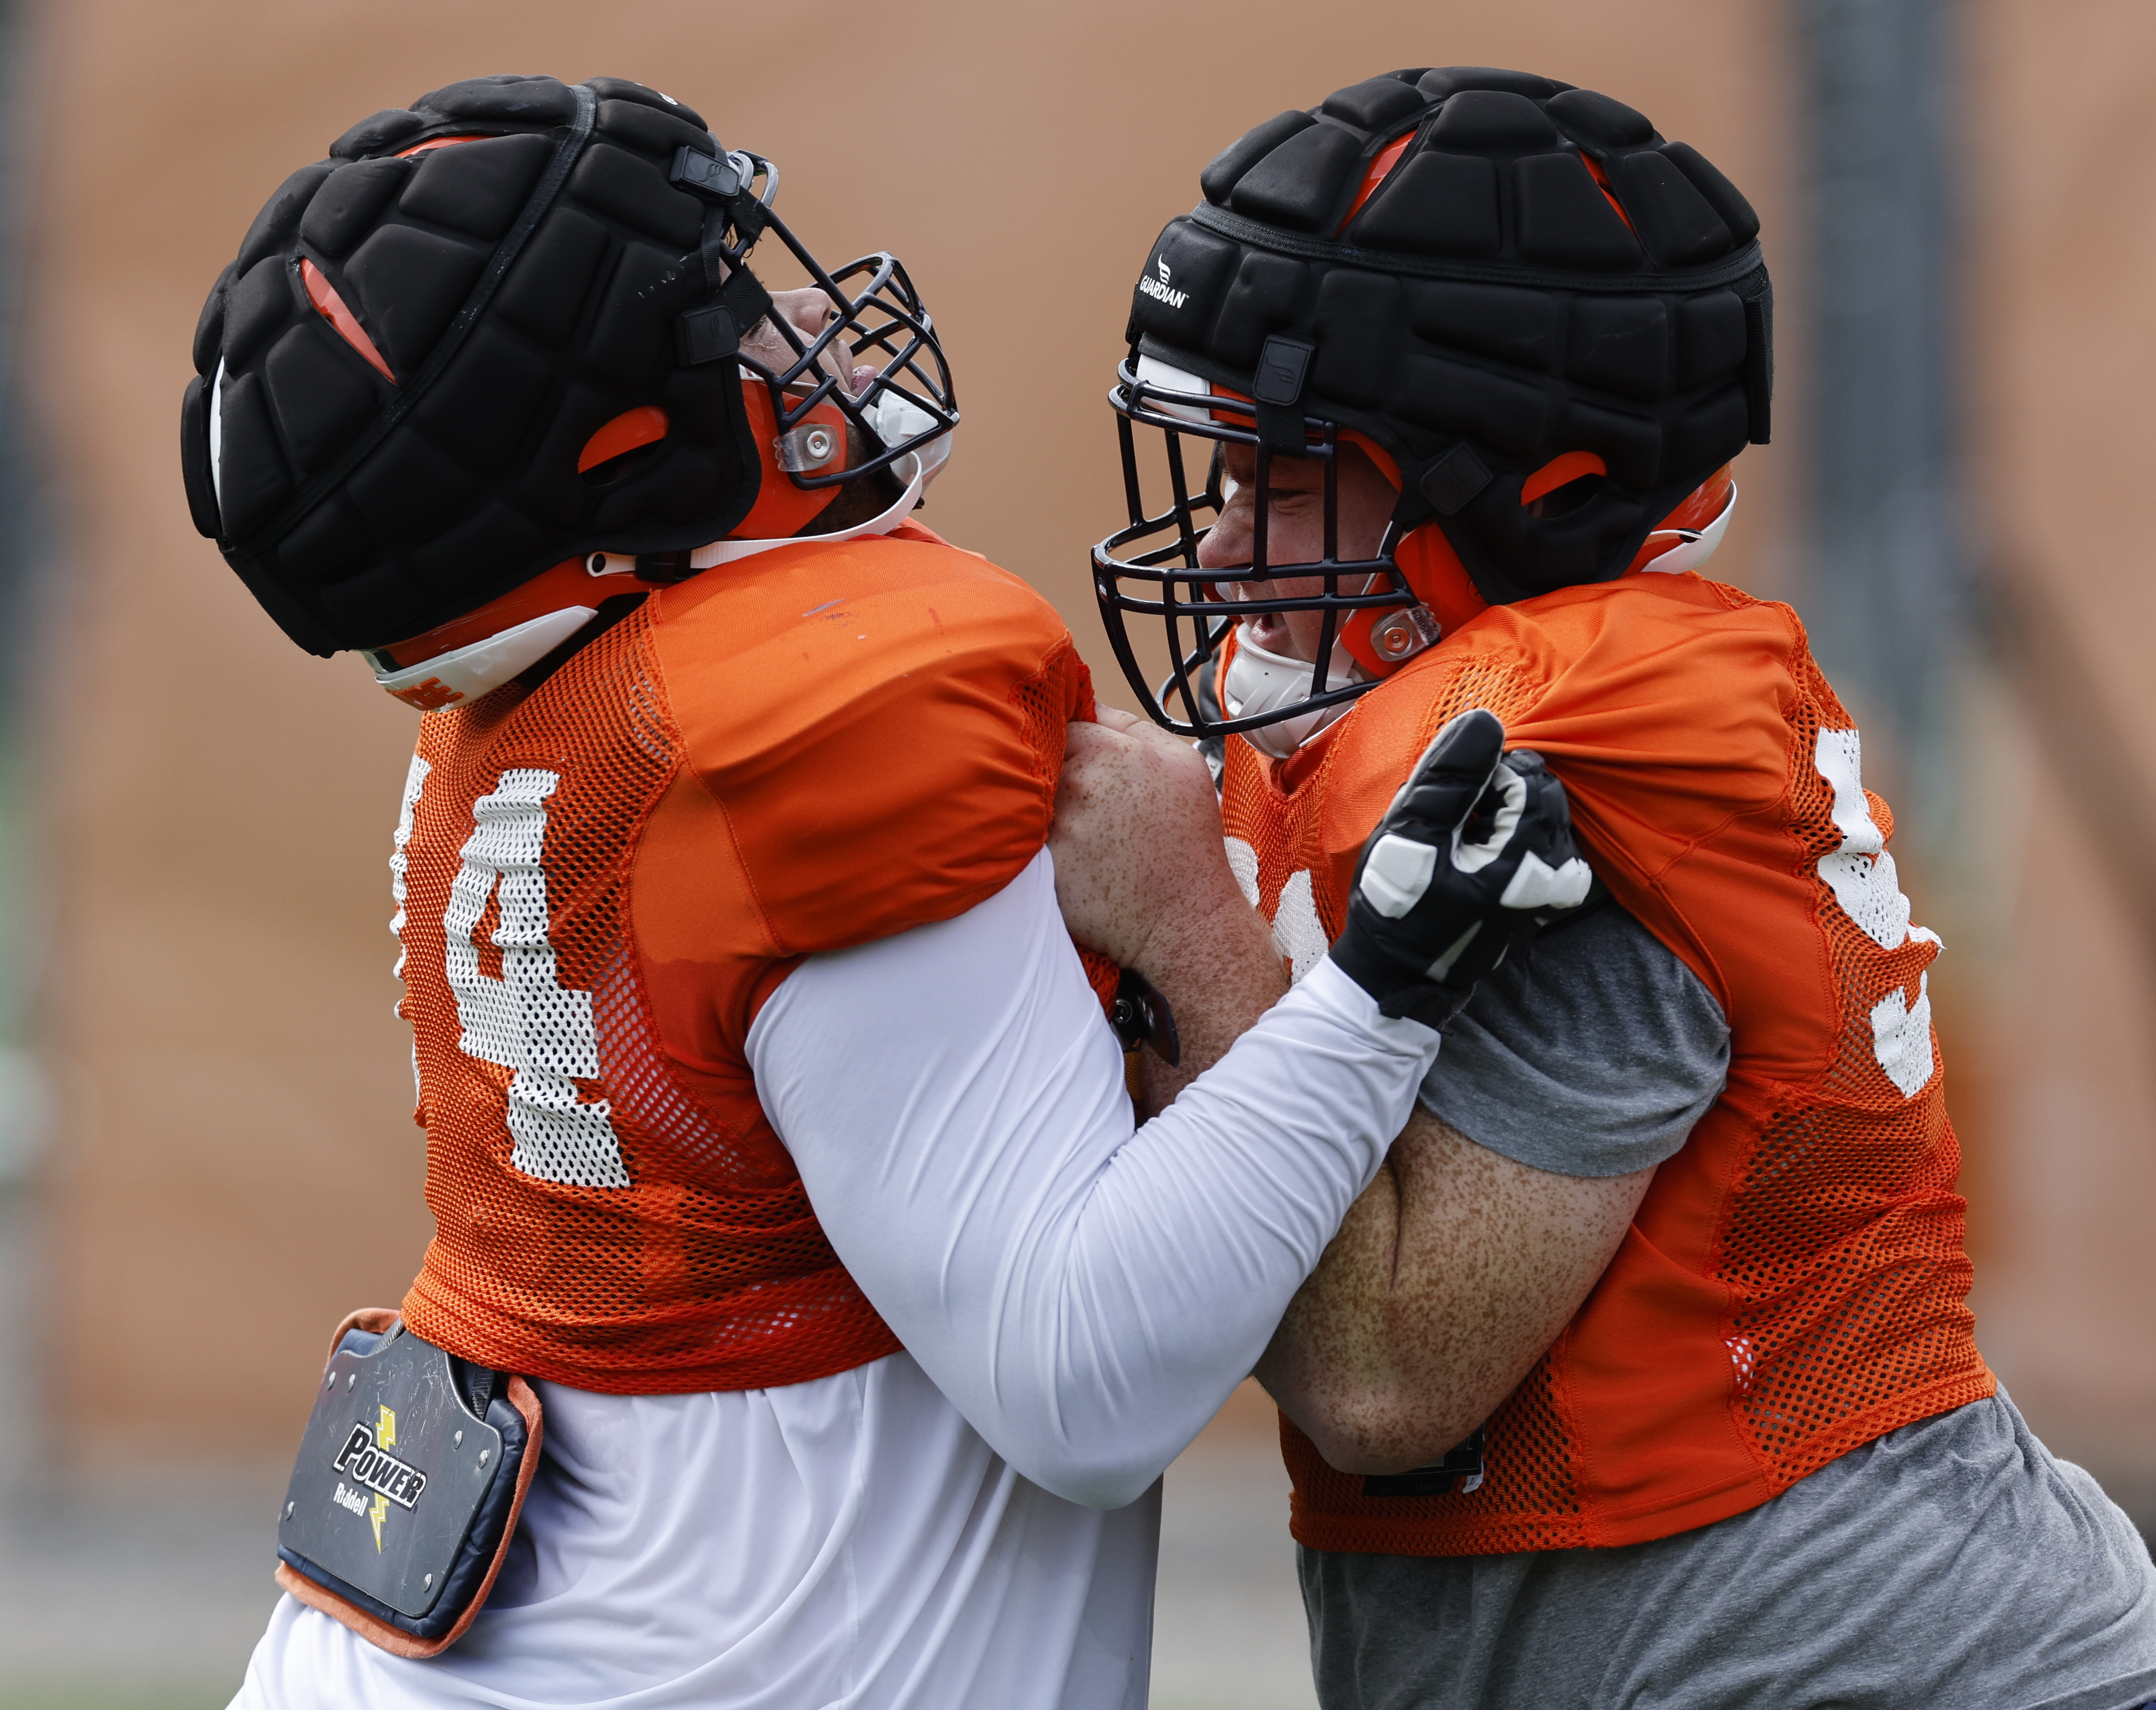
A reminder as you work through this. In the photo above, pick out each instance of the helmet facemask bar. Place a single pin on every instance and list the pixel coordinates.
(1175, 589)
(874, 310)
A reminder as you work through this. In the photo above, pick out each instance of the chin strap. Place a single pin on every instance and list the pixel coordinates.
(718, 552)
(1257, 681)
(729, 551)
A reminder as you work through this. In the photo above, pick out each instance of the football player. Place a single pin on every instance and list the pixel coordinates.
(774, 1132)
(1642, 1372)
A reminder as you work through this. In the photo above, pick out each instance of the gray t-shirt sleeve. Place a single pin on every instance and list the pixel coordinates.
(1592, 1054)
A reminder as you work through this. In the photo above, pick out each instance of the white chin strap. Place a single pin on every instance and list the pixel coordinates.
(465, 673)
(1257, 681)
(1693, 547)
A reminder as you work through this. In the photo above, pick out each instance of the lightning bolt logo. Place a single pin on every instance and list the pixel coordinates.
(385, 1435)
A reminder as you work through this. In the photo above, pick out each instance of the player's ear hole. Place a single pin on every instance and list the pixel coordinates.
(1563, 485)
(622, 446)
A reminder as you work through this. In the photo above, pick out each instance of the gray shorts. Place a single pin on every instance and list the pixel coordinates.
(1953, 1564)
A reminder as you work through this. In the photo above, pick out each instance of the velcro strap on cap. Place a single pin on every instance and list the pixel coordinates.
(1277, 391)
(720, 182)
(1454, 480)
(714, 177)
(705, 335)
(713, 330)
(745, 298)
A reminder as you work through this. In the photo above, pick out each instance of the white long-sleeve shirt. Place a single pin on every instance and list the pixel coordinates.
(973, 1521)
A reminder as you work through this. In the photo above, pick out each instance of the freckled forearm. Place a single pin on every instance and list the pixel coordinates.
(1438, 1297)
(1334, 1364)
(1219, 973)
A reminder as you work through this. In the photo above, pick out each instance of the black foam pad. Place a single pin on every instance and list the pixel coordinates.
(1375, 102)
(348, 203)
(1437, 204)
(1539, 273)
(1297, 184)
(1492, 121)
(1595, 118)
(1673, 219)
(1220, 178)
(1565, 221)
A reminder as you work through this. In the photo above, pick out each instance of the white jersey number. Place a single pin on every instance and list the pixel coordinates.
(1298, 935)
(526, 1021)
(1860, 874)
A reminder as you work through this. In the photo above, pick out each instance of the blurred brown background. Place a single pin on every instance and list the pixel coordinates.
(206, 1099)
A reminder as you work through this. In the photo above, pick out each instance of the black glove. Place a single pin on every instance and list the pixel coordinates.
(1473, 856)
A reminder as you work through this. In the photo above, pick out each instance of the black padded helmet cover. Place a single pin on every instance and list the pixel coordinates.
(523, 289)
(1486, 308)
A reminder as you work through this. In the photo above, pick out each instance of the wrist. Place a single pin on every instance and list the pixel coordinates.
(1398, 992)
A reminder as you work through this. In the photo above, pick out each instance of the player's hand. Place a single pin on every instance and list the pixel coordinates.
(1137, 839)
(1473, 856)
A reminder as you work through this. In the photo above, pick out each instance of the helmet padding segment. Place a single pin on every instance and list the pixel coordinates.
(523, 289)
(1541, 273)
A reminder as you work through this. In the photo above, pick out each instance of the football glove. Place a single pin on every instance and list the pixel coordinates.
(1474, 855)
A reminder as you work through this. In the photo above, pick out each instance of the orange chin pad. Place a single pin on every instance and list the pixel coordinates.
(1355, 637)
(1434, 575)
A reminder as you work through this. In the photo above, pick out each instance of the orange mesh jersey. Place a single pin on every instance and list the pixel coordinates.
(1792, 1284)
(601, 881)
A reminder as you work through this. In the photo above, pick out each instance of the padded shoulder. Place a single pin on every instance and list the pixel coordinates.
(1667, 690)
(1663, 703)
(1659, 700)
(881, 724)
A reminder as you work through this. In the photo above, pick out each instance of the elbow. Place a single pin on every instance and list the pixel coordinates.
(1377, 1434)
(1090, 1481)
(1380, 1454)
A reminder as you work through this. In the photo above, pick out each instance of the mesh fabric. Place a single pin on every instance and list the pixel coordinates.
(1794, 1282)
(1844, 1248)
(708, 1270)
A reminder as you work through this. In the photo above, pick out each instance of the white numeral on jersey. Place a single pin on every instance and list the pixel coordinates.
(1860, 874)
(1298, 935)
(526, 1021)
(415, 781)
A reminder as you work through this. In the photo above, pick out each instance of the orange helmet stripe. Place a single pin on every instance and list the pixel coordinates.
(1602, 183)
(1565, 466)
(631, 428)
(331, 307)
(1380, 169)
(420, 148)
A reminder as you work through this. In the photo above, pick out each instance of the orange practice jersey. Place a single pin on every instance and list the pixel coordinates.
(600, 881)
(1793, 1285)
